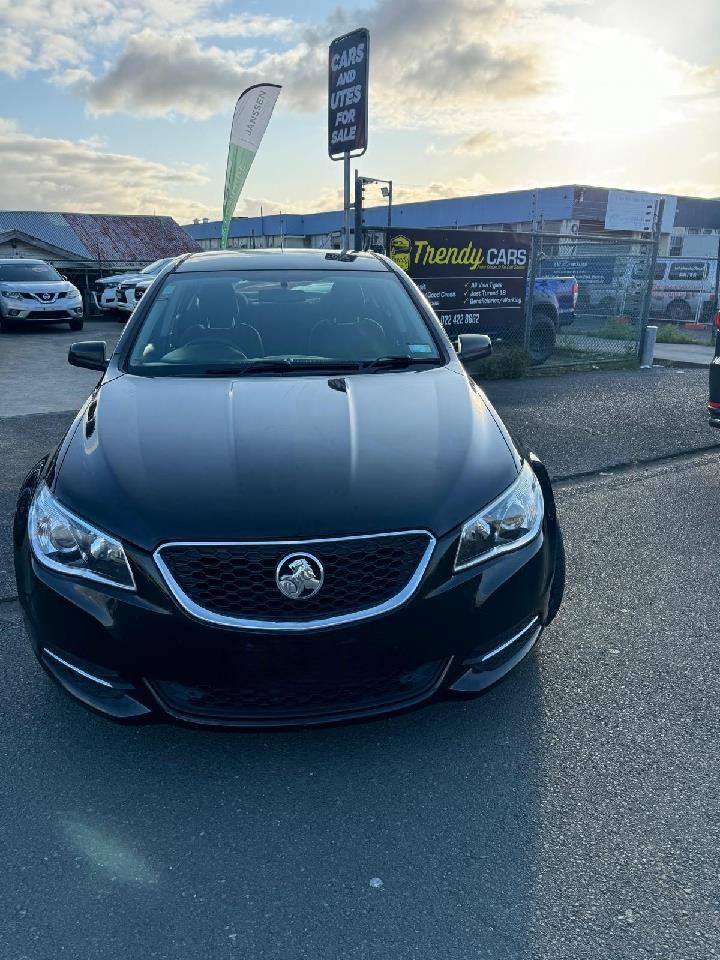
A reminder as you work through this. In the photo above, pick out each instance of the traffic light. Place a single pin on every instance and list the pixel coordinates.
(359, 202)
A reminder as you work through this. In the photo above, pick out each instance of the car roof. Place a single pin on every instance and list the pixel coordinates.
(277, 259)
(22, 260)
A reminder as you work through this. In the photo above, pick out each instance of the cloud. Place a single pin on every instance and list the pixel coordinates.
(42, 173)
(421, 72)
(439, 189)
(156, 74)
(16, 52)
(38, 35)
(246, 26)
(481, 142)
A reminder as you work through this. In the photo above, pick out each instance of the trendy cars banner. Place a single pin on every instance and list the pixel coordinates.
(252, 115)
(475, 280)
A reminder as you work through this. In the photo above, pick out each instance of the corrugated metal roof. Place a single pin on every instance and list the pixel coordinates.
(50, 228)
(112, 237)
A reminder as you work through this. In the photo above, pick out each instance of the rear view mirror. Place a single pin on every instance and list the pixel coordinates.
(89, 354)
(472, 346)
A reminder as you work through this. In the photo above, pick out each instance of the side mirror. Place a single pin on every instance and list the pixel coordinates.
(472, 346)
(89, 354)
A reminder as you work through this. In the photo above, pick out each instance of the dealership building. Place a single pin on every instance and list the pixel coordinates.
(690, 227)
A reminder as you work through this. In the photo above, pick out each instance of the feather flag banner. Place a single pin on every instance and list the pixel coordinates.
(252, 115)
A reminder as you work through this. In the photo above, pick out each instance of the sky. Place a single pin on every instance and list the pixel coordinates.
(124, 106)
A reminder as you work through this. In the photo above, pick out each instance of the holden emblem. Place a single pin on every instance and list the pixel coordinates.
(299, 576)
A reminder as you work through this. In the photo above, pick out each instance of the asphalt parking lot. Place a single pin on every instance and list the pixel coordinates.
(571, 812)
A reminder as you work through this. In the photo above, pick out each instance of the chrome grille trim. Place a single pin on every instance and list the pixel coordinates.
(534, 623)
(293, 626)
(71, 666)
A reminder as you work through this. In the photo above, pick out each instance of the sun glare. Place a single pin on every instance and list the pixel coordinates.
(616, 86)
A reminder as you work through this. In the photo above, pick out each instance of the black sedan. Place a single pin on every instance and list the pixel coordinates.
(285, 503)
(714, 399)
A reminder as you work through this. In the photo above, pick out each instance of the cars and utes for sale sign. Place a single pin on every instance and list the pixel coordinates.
(475, 280)
(348, 94)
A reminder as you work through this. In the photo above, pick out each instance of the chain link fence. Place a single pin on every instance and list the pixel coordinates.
(684, 297)
(614, 284)
(588, 299)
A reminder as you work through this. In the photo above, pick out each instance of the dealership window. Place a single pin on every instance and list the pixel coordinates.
(676, 245)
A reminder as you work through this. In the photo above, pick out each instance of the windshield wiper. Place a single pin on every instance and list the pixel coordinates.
(282, 366)
(399, 362)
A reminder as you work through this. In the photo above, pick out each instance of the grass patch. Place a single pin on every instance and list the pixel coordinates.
(669, 333)
(505, 363)
(614, 331)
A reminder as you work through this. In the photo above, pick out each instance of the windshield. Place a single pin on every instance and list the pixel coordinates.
(156, 267)
(264, 320)
(29, 271)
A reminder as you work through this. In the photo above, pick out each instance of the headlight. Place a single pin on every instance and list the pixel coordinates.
(12, 294)
(64, 542)
(74, 293)
(507, 523)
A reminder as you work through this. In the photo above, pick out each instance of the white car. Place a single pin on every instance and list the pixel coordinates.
(106, 289)
(32, 291)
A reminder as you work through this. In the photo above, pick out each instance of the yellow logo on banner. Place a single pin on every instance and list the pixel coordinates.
(400, 251)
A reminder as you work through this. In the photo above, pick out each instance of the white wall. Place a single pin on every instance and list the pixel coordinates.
(702, 245)
(22, 250)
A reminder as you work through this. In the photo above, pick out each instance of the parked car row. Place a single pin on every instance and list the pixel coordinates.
(116, 293)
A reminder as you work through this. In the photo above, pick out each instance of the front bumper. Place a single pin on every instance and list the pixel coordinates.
(104, 299)
(37, 312)
(139, 655)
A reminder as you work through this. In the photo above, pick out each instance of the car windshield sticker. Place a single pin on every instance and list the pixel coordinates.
(420, 348)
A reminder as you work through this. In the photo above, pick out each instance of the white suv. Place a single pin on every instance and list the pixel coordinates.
(110, 293)
(31, 291)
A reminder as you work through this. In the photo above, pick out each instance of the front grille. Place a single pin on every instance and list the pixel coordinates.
(49, 315)
(312, 690)
(237, 581)
(43, 298)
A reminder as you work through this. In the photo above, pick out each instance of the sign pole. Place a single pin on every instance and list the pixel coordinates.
(346, 200)
(348, 108)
